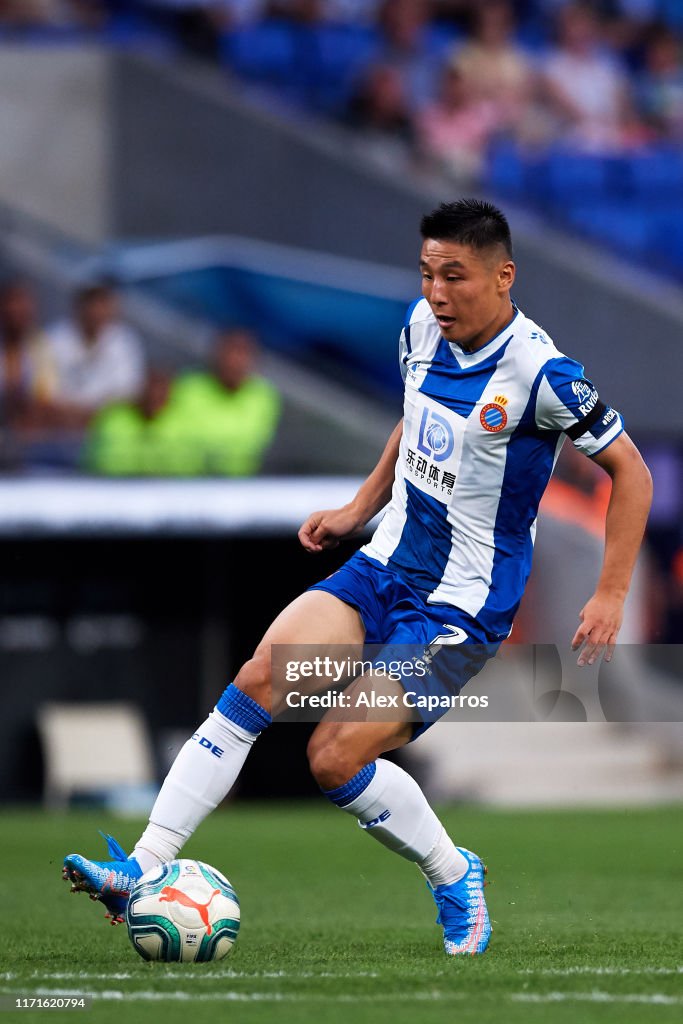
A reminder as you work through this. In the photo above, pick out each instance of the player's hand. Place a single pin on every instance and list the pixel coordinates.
(601, 619)
(324, 530)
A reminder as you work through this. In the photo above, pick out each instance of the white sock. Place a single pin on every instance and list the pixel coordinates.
(393, 809)
(201, 776)
(444, 864)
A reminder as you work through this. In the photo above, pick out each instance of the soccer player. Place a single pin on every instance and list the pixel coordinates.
(489, 401)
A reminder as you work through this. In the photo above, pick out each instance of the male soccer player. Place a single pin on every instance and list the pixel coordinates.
(489, 401)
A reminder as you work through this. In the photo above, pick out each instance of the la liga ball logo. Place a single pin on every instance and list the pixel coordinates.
(493, 416)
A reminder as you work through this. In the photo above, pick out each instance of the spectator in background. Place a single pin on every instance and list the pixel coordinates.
(586, 88)
(227, 13)
(659, 87)
(51, 13)
(455, 131)
(242, 12)
(405, 44)
(148, 437)
(362, 12)
(340, 11)
(642, 13)
(493, 66)
(235, 13)
(674, 631)
(98, 359)
(27, 371)
(304, 11)
(232, 410)
(379, 109)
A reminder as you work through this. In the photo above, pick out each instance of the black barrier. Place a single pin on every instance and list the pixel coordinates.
(161, 622)
(165, 623)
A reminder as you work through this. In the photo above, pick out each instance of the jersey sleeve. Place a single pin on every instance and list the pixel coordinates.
(403, 354)
(404, 343)
(569, 402)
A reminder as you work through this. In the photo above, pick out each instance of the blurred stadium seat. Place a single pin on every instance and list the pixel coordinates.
(82, 745)
(263, 52)
(568, 173)
(656, 175)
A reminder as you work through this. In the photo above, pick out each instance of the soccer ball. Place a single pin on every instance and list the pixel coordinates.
(183, 911)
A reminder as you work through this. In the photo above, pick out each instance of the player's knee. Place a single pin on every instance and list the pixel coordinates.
(331, 762)
(254, 679)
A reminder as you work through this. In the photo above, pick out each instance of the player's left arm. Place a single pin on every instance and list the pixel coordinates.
(627, 513)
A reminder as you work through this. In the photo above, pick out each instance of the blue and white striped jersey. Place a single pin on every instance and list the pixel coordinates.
(481, 433)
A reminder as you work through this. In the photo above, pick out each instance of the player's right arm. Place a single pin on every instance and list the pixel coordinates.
(567, 401)
(325, 529)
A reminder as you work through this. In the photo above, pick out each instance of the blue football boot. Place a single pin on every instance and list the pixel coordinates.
(108, 881)
(463, 911)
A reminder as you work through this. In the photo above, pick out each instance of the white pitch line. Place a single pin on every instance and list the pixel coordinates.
(564, 972)
(175, 971)
(175, 974)
(654, 998)
(118, 995)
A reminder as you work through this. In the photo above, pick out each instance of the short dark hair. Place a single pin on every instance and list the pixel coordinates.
(471, 222)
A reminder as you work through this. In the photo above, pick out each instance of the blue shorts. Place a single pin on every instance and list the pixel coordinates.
(395, 613)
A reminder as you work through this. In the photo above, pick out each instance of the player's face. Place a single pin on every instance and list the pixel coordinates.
(468, 290)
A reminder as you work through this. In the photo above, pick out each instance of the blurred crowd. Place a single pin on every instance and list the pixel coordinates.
(81, 394)
(442, 78)
(591, 82)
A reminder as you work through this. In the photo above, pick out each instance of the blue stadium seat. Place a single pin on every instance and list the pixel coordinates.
(568, 174)
(672, 13)
(318, 64)
(439, 39)
(628, 230)
(336, 58)
(344, 49)
(264, 52)
(657, 174)
(135, 32)
(667, 243)
(505, 170)
(618, 171)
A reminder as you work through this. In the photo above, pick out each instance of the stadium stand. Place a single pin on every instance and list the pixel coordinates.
(282, 79)
(547, 148)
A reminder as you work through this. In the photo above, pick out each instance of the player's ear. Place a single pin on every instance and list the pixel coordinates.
(506, 275)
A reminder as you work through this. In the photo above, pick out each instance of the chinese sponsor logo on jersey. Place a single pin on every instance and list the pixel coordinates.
(436, 436)
(493, 416)
(586, 394)
(433, 436)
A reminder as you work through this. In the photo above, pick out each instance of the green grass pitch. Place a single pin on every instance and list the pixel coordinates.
(586, 908)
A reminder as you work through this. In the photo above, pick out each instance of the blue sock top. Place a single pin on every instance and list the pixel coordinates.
(239, 708)
(347, 793)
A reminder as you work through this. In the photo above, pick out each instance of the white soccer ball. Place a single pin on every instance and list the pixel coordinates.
(183, 911)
